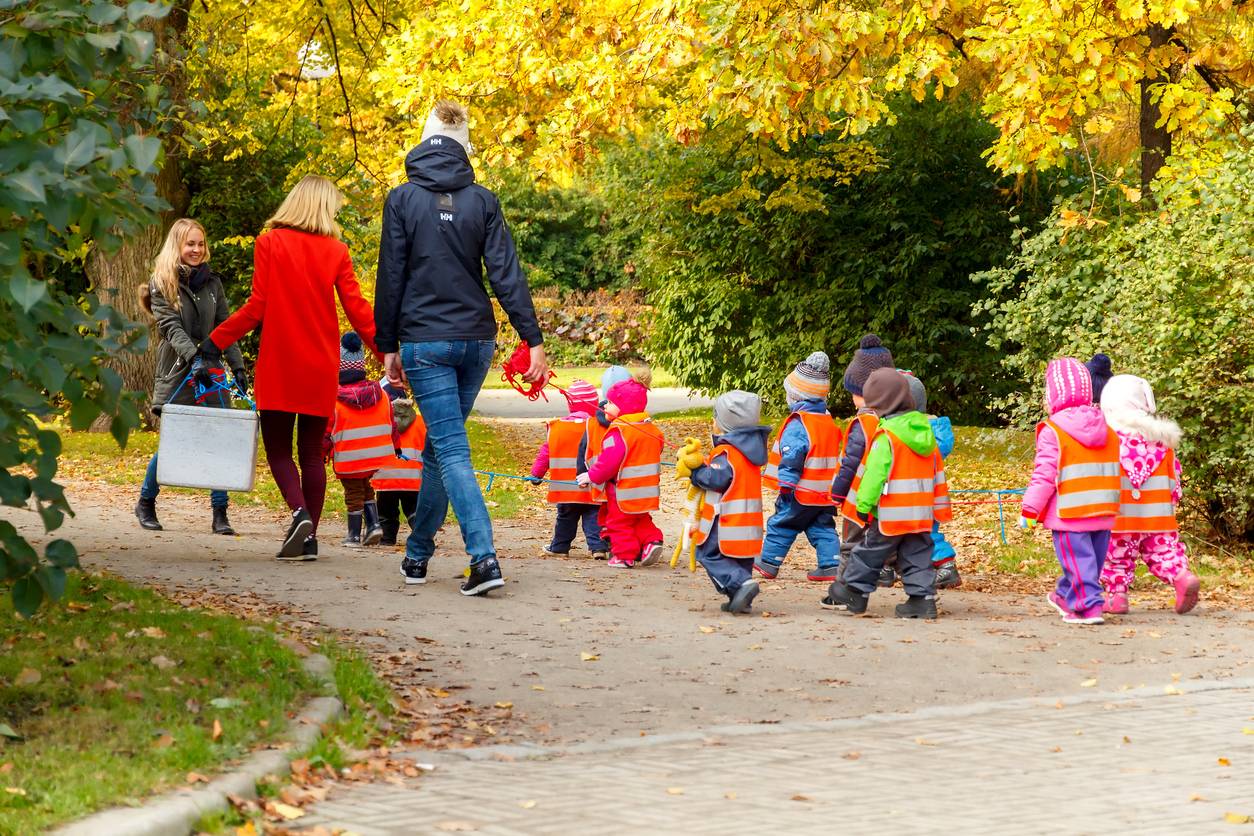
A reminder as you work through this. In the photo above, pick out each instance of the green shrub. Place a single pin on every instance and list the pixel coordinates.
(1169, 295)
(755, 256)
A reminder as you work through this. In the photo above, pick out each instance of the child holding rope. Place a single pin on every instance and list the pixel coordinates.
(361, 439)
(396, 486)
(1074, 489)
(729, 535)
(901, 492)
(1150, 475)
(801, 466)
(559, 457)
(628, 468)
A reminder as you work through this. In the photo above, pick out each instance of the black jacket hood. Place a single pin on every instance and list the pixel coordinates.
(439, 168)
(751, 441)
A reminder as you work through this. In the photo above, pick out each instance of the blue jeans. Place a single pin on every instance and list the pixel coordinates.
(790, 519)
(445, 378)
(150, 488)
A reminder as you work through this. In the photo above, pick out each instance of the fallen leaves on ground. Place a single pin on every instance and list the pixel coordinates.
(163, 663)
(28, 676)
(588, 657)
(1236, 818)
(526, 805)
(1225, 762)
(924, 742)
(1088, 683)
(154, 632)
(675, 790)
(457, 826)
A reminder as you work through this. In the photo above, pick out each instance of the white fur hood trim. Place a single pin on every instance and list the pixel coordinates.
(1149, 427)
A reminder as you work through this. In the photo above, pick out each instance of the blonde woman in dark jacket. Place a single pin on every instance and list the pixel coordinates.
(187, 301)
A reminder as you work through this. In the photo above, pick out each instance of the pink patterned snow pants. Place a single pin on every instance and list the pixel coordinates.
(1162, 552)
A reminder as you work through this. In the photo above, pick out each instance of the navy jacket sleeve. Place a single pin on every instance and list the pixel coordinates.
(505, 274)
(849, 464)
(715, 476)
(390, 278)
(581, 464)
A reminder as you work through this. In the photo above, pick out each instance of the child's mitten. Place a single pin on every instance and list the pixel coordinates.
(1026, 522)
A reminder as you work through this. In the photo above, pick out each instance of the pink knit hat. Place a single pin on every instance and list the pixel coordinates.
(1067, 384)
(629, 396)
(582, 397)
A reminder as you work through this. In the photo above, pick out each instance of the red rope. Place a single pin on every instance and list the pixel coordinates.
(516, 365)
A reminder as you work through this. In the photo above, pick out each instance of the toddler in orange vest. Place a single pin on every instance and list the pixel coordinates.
(629, 469)
(1150, 491)
(1074, 489)
(901, 491)
(729, 535)
(396, 486)
(559, 457)
(361, 438)
(801, 465)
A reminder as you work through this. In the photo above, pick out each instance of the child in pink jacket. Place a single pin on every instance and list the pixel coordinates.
(1074, 489)
(1146, 527)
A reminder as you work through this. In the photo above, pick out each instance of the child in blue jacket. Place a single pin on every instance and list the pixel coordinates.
(943, 554)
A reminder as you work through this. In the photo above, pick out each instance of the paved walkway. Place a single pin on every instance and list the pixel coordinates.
(1133, 762)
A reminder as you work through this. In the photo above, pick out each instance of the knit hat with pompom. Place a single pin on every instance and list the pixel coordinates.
(810, 380)
(448, 119)
(871, 355)
(352, 359)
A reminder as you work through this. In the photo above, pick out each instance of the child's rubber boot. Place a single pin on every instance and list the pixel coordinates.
(947, 576)
(743, 599)
(391, 527)
(888, 577)
(1116, 604)
(1187, 588)
(765, 569)
(918, 606)
(841, 597)
(354, 530)
(824, 573)
(372, 532)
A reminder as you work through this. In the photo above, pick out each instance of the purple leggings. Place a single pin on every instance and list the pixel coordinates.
(305, 488)
(1081, 555)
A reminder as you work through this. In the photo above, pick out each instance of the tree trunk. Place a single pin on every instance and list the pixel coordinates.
(1155, 140)
(116, 280)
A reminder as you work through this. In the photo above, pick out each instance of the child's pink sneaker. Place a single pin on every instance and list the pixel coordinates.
(1055, 600)
(1116, 604)
(1187, 587)
(618, 561)
(1093, 615)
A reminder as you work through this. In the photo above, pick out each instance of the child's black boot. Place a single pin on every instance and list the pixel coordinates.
(371, 532)
(354, 530)
(841, 597)
(918, 606)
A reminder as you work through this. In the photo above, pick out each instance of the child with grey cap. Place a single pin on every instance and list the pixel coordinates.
(729, 535)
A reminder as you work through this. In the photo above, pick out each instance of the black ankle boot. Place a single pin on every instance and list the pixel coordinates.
(354, 530)
(370, 530)
(221, 525)
(146, 513)
(390, 529)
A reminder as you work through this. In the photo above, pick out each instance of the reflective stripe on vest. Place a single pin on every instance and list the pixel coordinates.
(404, 474)
(849, 508)
(915, 493)
(822, 458)
(596, 436)
(564, 438)
(1149, 508)
(1088, 477)
(738, 509)
(638, 485)
(362, 439)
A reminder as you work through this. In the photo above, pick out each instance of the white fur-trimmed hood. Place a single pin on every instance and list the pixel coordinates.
(1150, 427)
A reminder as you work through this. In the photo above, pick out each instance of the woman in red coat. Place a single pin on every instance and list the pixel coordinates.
(301, 265)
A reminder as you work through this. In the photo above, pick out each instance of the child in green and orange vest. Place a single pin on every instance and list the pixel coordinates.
(901, 491)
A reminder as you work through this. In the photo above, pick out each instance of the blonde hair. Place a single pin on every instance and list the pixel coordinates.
(165, 272)
(311, 207)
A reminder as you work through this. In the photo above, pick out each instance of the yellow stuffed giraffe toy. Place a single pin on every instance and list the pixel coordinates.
(689, 459)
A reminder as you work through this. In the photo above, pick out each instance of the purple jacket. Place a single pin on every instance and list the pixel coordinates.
(1087, 425)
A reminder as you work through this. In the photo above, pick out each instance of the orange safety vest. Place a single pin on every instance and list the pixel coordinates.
(1088, 477)
(564, 438)
(738, 509)
(638, 485)
(362, 439)
(916, 492)
(596, 435)
(870, 423)
(405, 474)
(1149, 507)
(822, 460)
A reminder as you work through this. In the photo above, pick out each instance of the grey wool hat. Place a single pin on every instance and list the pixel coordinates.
(919, 392)
(736, 410)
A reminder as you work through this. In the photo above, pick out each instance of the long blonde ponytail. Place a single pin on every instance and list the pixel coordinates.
(165, 272)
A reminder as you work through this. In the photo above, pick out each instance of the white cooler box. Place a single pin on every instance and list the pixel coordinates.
(204, 447)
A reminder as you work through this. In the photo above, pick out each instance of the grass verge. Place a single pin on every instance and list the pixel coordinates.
(117, 693)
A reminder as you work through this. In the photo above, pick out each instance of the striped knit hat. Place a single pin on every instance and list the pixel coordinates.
(1067, 384)
(810, 380)
(582, 397)
(871, 355)
(352, 359)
